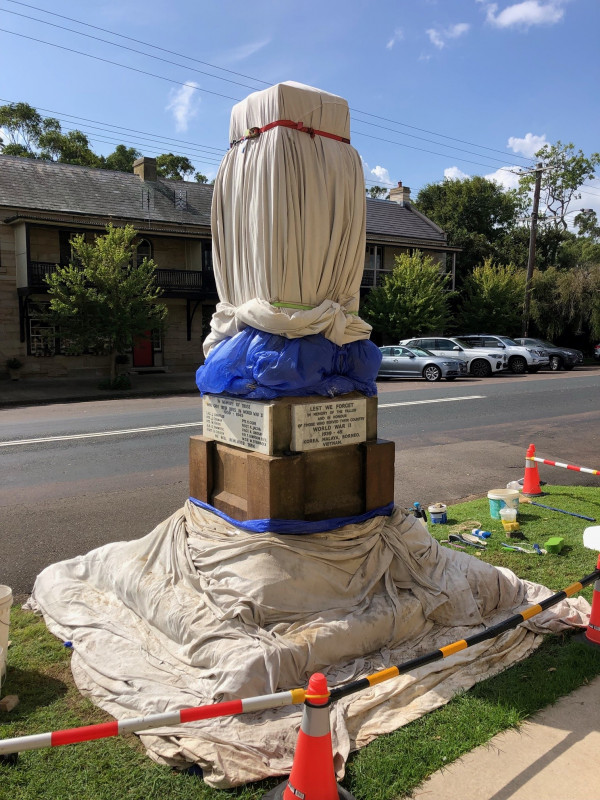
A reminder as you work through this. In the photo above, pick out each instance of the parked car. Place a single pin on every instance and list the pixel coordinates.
(520, 359)
(597, 352)
(414, 362)
(480, 364)
(560, 357)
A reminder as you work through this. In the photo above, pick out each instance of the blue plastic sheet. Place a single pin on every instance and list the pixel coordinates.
(296, 527)
(262, 366)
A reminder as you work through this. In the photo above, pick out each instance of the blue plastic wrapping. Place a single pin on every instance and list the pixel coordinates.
(262, 366)
(296, 527)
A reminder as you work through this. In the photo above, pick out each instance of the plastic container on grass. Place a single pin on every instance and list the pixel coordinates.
(5, 604)
(502, 498)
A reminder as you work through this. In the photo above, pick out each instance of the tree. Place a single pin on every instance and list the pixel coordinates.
(564, 170)
(493, 298)
(173, 167)
(200, 178)
(23, 126)
(121, 159)
(413, 299)
(475, 213)
(67, 148)
(378, 192)
(104, 299)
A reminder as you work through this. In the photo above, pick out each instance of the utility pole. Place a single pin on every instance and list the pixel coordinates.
(532, 237)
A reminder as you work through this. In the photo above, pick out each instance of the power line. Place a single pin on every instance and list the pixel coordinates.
(218, 150)
(256, 80)
(433, 133)
(125, 47)
(123, 66)
(431, 141)
(139, 41)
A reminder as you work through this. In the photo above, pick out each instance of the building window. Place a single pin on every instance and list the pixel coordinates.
(41, 336)
(157, 344)
(144, 250)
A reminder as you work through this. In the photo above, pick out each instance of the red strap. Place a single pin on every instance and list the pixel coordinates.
(254, 133)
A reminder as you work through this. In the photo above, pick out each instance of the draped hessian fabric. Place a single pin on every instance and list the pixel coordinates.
(288, 221)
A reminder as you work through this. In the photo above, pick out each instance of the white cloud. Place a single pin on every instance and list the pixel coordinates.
(454, 174)
(438, 37)
(183, 103)
(524, 15)
(528, 145)
(506, 177)
(381, 175)
(398, 36)
(244, 51)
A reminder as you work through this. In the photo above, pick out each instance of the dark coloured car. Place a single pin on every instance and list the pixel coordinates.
(414, 362)
(560, 357)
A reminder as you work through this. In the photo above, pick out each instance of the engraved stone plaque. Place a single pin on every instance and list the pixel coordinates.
(329, 424)
(242, 423)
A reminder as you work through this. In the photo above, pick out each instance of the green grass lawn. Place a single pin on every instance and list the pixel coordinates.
(389, 768)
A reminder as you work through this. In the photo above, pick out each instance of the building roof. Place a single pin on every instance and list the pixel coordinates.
(65, 188)
(387, 218)
(44, 186)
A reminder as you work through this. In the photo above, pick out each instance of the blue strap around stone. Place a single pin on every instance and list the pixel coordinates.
(296, 526)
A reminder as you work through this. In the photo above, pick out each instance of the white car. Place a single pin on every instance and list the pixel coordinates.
(480, 364)
(520, 359)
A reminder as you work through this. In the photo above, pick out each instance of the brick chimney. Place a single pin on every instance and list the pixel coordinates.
(145, 168)
(400, 194)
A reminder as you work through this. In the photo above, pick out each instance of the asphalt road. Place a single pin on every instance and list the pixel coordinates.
(75, 476)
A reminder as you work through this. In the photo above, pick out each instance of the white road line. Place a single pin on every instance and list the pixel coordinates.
(102, 433)
(199, 424)
(438, 400)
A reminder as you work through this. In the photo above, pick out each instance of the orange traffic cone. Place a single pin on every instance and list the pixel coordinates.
(312, 776)
(531, 481)
(592, 633)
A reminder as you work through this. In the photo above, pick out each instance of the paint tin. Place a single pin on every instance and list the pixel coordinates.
(437, 514)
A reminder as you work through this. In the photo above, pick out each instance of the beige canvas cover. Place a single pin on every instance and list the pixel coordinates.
(199, 611)
(288, 221)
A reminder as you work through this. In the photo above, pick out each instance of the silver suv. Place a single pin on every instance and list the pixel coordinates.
(520, 359)
(480, 364)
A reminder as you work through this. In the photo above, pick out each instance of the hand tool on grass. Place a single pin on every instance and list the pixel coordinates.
(550, 508)
(535, 550)
(467, 538)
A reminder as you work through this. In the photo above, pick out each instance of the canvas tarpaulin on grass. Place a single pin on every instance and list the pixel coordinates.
(199, 611)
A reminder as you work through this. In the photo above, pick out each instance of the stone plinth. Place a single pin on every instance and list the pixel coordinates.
(293, 458)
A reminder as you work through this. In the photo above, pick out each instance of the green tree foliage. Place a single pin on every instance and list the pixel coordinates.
(121, 159)
(547, 311)
(29, 135)
(23, 126)
(475, 213)
(413, 299)
(565, 171)
(493, 298)
(104, 298)
(67, 148)
(378, 192)
(174, 167)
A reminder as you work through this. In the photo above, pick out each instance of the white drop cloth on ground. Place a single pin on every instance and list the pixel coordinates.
(289, 221)
(199, 611)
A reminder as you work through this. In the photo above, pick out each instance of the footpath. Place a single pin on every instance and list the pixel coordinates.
(552, 756)
(41, 391)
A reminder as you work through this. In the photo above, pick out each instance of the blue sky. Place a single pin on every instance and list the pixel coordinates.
(436, 87)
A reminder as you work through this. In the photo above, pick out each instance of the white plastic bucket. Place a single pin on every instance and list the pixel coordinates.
(501, 498)
(5, 604)
(437, 514)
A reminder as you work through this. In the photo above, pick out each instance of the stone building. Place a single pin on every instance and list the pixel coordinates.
(43, 204)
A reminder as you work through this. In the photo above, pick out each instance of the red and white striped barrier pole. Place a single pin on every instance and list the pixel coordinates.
(565, 466)
(104, 730)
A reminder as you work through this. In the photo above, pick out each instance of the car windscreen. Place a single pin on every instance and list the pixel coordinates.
(462, 342)
(420, 351)
(508, 341)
